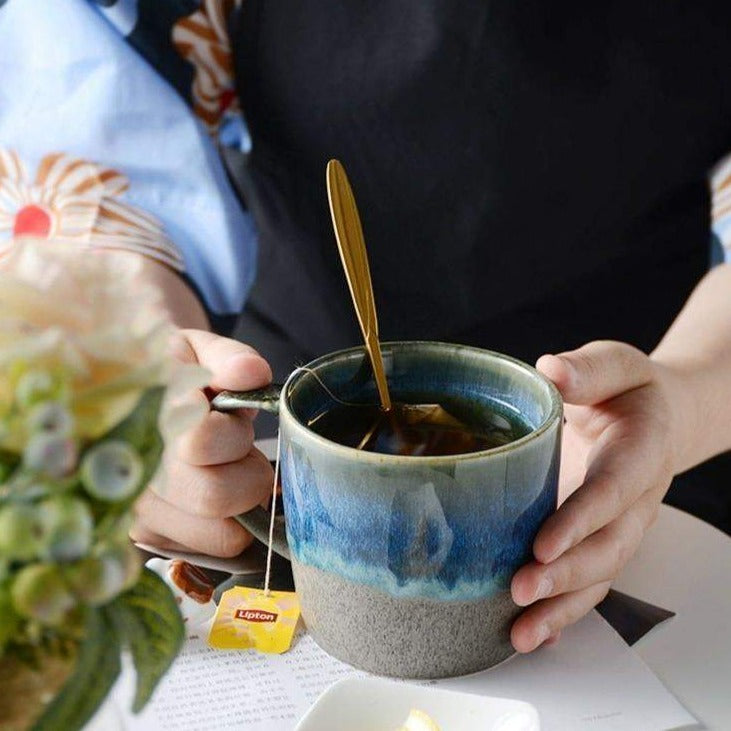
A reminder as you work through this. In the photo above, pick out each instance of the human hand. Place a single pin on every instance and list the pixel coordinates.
(212, 471)
(618, 458)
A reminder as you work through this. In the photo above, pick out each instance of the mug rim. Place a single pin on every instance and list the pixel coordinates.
(553, 415)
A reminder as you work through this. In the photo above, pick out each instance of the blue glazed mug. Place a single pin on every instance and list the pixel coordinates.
(402, 564)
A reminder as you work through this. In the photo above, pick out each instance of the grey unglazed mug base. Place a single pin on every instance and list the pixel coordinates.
(377, 633)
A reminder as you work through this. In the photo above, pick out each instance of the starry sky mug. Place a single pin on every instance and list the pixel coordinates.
(402, 564)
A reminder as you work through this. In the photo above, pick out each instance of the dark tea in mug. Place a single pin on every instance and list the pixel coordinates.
(423, 432)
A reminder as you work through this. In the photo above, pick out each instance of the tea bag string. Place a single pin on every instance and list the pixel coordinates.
(316, 376)
(319, 380)
(270, 550)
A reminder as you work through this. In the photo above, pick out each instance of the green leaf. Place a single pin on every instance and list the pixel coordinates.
(148, 620)
(97, 667)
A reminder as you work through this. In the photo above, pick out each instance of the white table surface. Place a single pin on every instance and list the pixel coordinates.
(684, 565)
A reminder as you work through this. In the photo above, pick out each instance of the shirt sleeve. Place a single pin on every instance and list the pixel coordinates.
(721, 205)
(97, 148)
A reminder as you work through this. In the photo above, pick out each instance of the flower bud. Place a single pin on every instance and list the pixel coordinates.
(50, 417)
(21, 532)
(51, 454)
(99, 578)
(68, 527)
(111, 471)
(38, 592)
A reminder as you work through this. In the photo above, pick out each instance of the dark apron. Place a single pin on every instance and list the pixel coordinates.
(531, 175)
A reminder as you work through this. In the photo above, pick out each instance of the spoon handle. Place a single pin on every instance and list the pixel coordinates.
(351, 245)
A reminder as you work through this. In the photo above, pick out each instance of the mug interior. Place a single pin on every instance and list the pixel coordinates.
(470, 380)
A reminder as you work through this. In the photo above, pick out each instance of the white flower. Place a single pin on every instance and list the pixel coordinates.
(84, 331)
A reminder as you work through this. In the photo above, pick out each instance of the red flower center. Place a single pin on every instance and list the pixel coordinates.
(225, 100)
(32, 221)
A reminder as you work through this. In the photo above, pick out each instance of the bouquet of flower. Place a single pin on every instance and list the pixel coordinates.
(86, 390)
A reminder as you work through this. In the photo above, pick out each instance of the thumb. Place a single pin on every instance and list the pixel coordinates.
(233, 365)
(597, 371)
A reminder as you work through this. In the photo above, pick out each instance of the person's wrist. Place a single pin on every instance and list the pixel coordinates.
(679, 386)
(176, 296)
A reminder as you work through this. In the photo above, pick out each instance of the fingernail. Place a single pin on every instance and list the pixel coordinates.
(545, 586)
(240, 357)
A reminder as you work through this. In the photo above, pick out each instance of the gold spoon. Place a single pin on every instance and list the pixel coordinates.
(399, 416)
(351, 245)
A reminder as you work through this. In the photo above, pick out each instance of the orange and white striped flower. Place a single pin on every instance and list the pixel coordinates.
(76, 201)
(202, 39)
(721, 192)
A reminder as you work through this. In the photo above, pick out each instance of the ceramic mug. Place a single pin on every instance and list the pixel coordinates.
(402, 564)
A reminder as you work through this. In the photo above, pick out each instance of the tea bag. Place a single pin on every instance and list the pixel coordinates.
(418, 430)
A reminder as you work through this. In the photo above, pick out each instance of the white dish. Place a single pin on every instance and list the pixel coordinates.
(375, 704)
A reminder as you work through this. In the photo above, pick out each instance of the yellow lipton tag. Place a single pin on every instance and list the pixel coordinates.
(248, 617)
